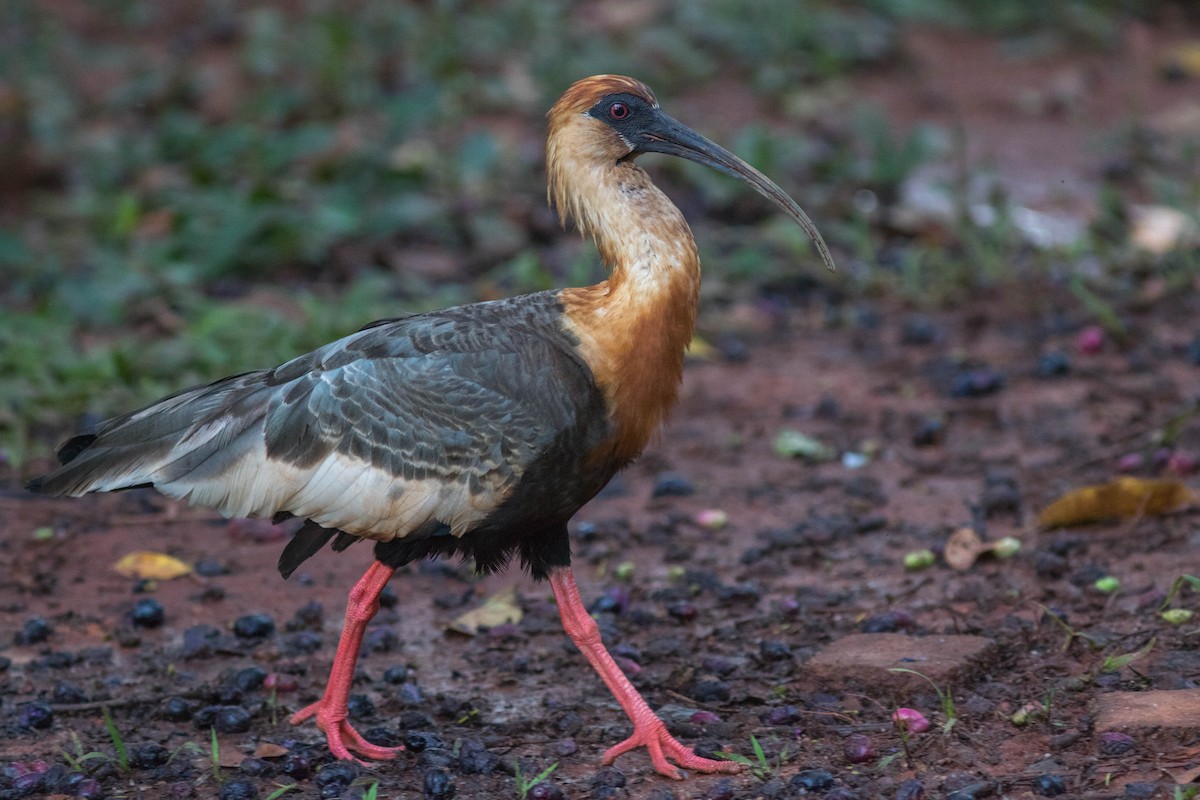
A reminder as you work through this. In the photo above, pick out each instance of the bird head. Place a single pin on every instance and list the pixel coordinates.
(610, 119)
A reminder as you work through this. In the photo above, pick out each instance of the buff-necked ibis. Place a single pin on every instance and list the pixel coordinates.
(475, 431)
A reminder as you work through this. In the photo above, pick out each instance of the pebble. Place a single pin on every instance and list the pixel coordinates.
(977, 383)
(889, 622)
(437, 785)
(238, 790)
(210, 568)
(147, 613)
(148, 755)
(419, 741)
(930, 431)
(360, 706)
(712, 690)
(226, 719)
(253, 626)
(68, 693)
(1140, 790)
(813, 780)
(781, 715)
(670, 484)
(1049, 786)
(1115, 743)
(35, 631)
(296, 765)
(301, 643)
(1053, 364)
(774, 650)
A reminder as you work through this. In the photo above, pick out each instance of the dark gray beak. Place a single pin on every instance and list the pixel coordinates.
(666, 135)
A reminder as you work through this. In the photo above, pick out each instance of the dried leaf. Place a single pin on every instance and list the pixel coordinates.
(270, 750)
(963, 548)
(1124, 497)
(153, 566)
(230, 757)
(496, 610)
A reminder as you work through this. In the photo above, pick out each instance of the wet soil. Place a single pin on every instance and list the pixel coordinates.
(715, 625)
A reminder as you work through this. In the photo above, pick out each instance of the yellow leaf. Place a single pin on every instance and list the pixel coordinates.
(151, 566)
(1123, 497)
(496, 610)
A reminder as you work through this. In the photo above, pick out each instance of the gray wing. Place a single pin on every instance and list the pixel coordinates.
(433, 417)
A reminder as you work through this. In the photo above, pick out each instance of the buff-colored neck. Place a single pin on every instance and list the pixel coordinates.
(634, 327)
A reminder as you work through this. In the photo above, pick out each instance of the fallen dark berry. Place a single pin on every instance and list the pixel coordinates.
(176, 709)
(858, 748)
(89, 789)
(255, 767)
(210, 568)
(296, 765)
(226, 719)
(721, 790)
(710, 691)
(35, 715)
(68, 693)
(781, 715)
(672, 485)
(249, 679)
(546, 791)
(910, 790)
(148, 613)
(774, 650)
(382, 735)
(339, 772)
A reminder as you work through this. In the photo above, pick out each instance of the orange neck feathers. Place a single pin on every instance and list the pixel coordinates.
(635, 326)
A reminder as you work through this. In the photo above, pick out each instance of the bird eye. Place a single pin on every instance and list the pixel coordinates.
(618, 111)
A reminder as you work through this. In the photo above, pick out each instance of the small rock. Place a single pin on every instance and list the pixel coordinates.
(1115, 743)
(813, 780)
(1054, 364)
(670, 484)
(253, 626)
(35, 631)
(238, 790)
(1049, 785)
(437, 785)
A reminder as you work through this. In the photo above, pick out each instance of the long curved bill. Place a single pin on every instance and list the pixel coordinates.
(674, 138)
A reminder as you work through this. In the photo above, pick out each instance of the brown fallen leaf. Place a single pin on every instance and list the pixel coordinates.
(151, 566)
(1124, 497)
(270, 750)
(498, 609)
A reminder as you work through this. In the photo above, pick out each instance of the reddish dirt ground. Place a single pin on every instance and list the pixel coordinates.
(716, 620)
(716, 626)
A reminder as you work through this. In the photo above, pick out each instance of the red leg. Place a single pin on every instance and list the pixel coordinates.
(648, 730)
(330, 710)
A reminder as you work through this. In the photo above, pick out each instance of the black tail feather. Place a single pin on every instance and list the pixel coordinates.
(306, 543)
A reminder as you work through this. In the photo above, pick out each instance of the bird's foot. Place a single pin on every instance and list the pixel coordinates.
(664, 749)
(340, 734)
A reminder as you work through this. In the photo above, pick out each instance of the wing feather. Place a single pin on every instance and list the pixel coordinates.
(431, 418)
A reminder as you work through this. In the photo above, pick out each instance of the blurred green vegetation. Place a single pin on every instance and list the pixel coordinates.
(189, 190)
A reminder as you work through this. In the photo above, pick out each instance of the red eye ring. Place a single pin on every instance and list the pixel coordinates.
(618, 111)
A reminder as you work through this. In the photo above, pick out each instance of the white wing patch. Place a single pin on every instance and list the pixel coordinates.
(339, 492)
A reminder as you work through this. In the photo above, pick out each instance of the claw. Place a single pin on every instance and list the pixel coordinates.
(665, 748)
(341, 735)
